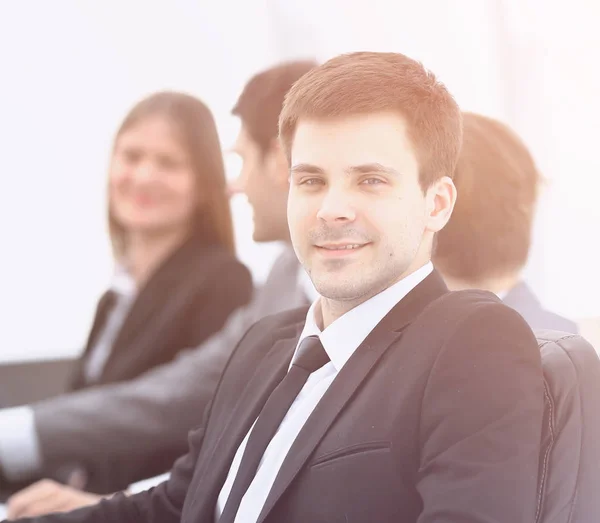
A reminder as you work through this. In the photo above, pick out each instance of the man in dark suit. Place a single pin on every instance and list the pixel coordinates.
(486, 242)
(390, 399)
(109, 436)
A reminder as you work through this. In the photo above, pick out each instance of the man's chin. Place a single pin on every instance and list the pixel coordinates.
(259, 235)
(338, 290)
(264, 238)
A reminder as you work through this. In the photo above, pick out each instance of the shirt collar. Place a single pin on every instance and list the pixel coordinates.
(344, 335)
(122, 283)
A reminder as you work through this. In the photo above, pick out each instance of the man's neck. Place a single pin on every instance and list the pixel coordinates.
(329, 310)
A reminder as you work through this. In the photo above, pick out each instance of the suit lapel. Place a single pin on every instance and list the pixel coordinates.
(348, 381)
(105, 305)
(267, 376)
(337, 396)
(163, 293)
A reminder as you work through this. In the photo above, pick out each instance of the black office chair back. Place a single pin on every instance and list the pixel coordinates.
(569, 479)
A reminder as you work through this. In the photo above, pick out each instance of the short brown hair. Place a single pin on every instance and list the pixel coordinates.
(197, 131)
(489, 232)
(371, 82)
(261, 100)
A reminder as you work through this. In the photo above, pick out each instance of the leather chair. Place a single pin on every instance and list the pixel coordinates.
(569, 479)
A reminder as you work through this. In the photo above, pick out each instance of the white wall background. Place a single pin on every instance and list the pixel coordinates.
(70, 70)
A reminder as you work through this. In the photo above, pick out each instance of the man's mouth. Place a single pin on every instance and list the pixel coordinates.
(341, 247)
(339, 250)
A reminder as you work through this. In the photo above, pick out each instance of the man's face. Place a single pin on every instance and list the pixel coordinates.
(359, 220)
(264, 186)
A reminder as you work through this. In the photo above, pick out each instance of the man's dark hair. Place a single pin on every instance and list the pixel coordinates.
(360, 83)
(489, 233)
(261, 100)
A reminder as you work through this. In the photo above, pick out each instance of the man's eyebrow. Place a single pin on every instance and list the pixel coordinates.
(306, 168)
(372, 168)
(366, 168)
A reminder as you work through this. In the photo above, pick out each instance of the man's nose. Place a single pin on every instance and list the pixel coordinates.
(336, 206)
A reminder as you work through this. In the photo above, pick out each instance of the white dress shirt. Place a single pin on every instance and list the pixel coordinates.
(124, 288)
(340, 340)
(20, 455)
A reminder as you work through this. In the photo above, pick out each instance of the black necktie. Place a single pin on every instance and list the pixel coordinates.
(311, 356)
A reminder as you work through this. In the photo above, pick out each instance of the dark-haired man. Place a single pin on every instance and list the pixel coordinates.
(486, 243)
(104, 438)
(390, 398)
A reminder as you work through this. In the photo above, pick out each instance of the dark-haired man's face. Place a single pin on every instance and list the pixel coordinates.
(358, 217)
(263, 179)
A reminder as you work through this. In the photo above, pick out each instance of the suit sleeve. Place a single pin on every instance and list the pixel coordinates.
(115, 429)
(162, 504)
(481, 423)
(19, 445)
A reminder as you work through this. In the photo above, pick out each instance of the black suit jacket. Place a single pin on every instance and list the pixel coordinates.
(435, 418)
(186, 299)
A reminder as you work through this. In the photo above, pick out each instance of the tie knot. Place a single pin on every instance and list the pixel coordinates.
(311, 354)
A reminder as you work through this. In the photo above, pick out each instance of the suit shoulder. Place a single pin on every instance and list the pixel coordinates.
(215, 256)
(472, 298)
(269, 329)
(261, 336)
(462, 304)
(216, 263)
(282, 320)
(477, 326)
(475, 300)
(226, 265)
(472, 306)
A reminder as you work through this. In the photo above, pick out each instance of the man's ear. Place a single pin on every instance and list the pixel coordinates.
(441, 197)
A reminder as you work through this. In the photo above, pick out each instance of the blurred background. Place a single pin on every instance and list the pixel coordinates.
(70, 70)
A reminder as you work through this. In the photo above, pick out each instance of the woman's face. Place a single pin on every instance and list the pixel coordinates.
(151, 181)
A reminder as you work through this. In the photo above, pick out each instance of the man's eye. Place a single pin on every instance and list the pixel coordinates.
(372, 181)
(311, 181)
